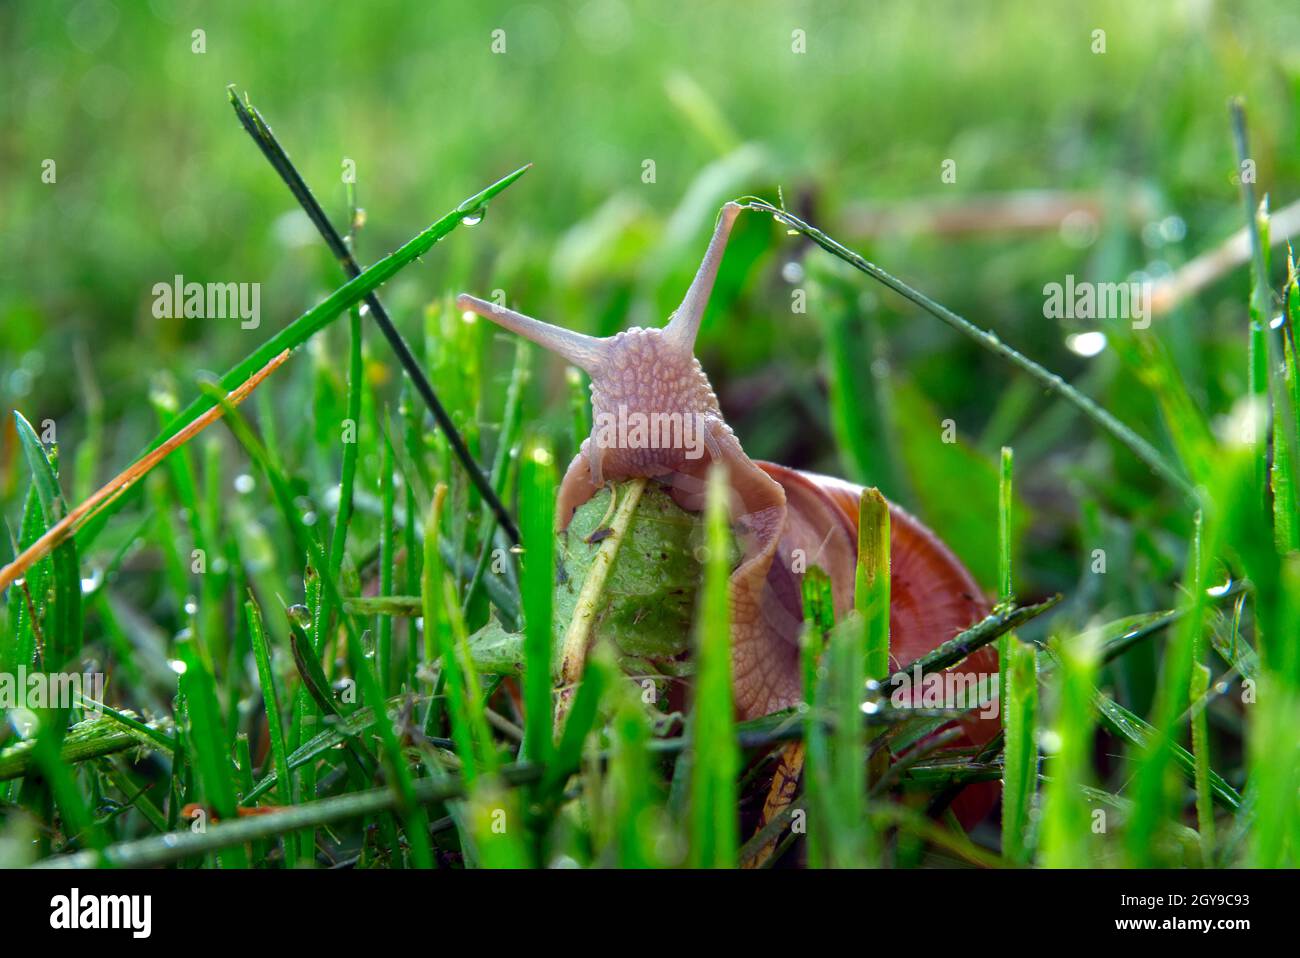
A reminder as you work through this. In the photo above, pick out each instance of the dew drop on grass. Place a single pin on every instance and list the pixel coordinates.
(1086, 344)
(474, 217)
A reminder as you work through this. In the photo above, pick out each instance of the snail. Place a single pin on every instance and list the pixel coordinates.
(651, 376)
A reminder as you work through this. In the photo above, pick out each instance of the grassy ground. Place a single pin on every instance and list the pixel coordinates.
(322, 550)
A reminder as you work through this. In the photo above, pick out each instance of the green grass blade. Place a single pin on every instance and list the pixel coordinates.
(1020, 750)
(275, 724)
(1154, 802)
(714, 834)
(61, 624)
(871, 582)
(351, 445)
(1200, 688)
(537, 521)
(208, 737)
(1067, 824)
(312, 322)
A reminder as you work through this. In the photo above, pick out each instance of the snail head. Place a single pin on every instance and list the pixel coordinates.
(653, 409)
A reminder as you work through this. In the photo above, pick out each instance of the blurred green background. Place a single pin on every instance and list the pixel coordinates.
(155, 178)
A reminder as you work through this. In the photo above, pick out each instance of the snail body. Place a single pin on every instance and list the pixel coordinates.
(651, 377)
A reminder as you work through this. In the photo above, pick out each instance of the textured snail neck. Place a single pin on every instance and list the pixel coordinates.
(652, 407)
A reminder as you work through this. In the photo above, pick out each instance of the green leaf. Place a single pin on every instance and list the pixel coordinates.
(62, 616)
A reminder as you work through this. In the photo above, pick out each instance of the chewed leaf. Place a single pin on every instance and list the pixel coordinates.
(647, 606)
(649, 599)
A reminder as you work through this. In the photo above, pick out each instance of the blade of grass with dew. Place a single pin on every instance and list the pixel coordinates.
(86, 740)
(177, 846)
(387, 557)
(414, 448)
(871, 602)
(351, 446)
(207, 735)
(1020, 750)
(1004, 596)
(850, 842)
(430, 607)
(314, 320)
(275, 725)
(1153, 806)
(1018, 667)
(635, 812)
(537, 521)
(714, 834)
(205, 560)
(27, 597)
(1140, 734)
(472, 212)
(819, 621)
(1050, 381)
(990, 628)
(1067, 823)
(61, 623)
(1198, 692)
(871, 581)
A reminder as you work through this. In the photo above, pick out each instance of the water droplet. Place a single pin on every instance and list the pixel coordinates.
(300, 615)
(177, 666)
(474, 217)
(792, 272)
(25, 722)
(1086, 344)
(244, 483)
(1173, 229)
(1079, 229)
